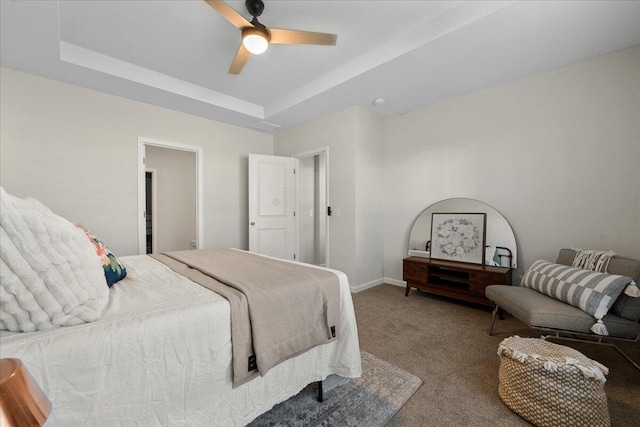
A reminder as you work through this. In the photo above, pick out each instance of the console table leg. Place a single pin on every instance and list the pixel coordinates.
(406, 292)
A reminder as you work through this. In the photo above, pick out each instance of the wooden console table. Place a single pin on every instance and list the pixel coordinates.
(453, 279)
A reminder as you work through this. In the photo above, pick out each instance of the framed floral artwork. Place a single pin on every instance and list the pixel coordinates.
(458, 236)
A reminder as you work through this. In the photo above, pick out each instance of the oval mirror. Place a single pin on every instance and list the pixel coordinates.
(499, 233)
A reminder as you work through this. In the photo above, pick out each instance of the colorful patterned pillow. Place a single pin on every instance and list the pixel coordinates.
(590, 291)
(114, 271)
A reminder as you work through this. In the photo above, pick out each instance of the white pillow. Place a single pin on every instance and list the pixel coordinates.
(50, 275)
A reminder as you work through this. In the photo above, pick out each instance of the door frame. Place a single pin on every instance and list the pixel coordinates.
(154, 207)
(311, 153)
(142, 142)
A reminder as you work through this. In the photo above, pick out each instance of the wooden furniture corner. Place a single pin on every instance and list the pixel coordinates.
(463, 281)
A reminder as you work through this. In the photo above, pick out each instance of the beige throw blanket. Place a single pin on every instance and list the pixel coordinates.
(279, 309)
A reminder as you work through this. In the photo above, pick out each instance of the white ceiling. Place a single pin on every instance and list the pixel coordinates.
(176, 54)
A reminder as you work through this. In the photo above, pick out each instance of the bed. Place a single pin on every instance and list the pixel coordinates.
(161, 354)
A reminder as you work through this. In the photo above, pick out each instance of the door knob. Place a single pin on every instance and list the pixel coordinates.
(253, 223)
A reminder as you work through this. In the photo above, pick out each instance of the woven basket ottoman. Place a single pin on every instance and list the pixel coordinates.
(552, 385)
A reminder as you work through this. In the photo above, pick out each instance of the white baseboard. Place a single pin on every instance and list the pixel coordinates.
(364, 286)
(395, 282)
(380, 281)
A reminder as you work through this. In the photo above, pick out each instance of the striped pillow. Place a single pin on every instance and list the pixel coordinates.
(590, 291)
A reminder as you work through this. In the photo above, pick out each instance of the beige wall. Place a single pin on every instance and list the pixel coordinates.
(75, 149)
(558, 154)
(370, 200)
(354, 137)
(337, 132)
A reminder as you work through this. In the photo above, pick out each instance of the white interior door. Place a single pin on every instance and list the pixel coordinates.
(273, 220)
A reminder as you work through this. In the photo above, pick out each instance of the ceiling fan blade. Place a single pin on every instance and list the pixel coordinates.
(229, 13)
(240, 60)
(282, 36)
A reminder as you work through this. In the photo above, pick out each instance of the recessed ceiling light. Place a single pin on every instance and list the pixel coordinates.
(379, 101)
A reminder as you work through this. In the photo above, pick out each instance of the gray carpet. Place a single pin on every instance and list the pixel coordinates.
(371, 400)
(445, 342)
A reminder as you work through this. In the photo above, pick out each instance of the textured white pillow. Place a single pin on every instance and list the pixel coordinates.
(50, 275)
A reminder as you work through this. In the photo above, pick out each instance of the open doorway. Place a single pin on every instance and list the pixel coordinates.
(313, 202)
(169, 196)
(151, 185)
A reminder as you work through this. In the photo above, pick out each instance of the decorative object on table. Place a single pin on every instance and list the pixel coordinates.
(552, 385)
(458, 237)
(489, 256)
(450, 276)
(371, 400)
(22, 401)
(498, 232)
(419, 254)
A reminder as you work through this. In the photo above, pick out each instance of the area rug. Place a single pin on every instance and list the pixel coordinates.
(371, 400)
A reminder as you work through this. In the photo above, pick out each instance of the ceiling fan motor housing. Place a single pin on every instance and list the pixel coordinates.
(255, 7)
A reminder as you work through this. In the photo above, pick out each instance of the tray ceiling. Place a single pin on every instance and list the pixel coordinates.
(176, 54)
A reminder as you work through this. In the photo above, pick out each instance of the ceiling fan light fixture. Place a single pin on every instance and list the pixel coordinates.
(255, 40)
(256, 37)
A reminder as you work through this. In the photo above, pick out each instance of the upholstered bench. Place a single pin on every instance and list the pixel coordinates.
(552, 385)
(541, 311)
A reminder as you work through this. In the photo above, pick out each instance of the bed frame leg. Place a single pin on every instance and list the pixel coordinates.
(320, 394)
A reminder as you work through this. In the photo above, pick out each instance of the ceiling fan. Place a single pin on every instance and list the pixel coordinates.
(256, 37)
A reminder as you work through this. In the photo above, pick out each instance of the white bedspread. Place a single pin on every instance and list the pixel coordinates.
(161, 355)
